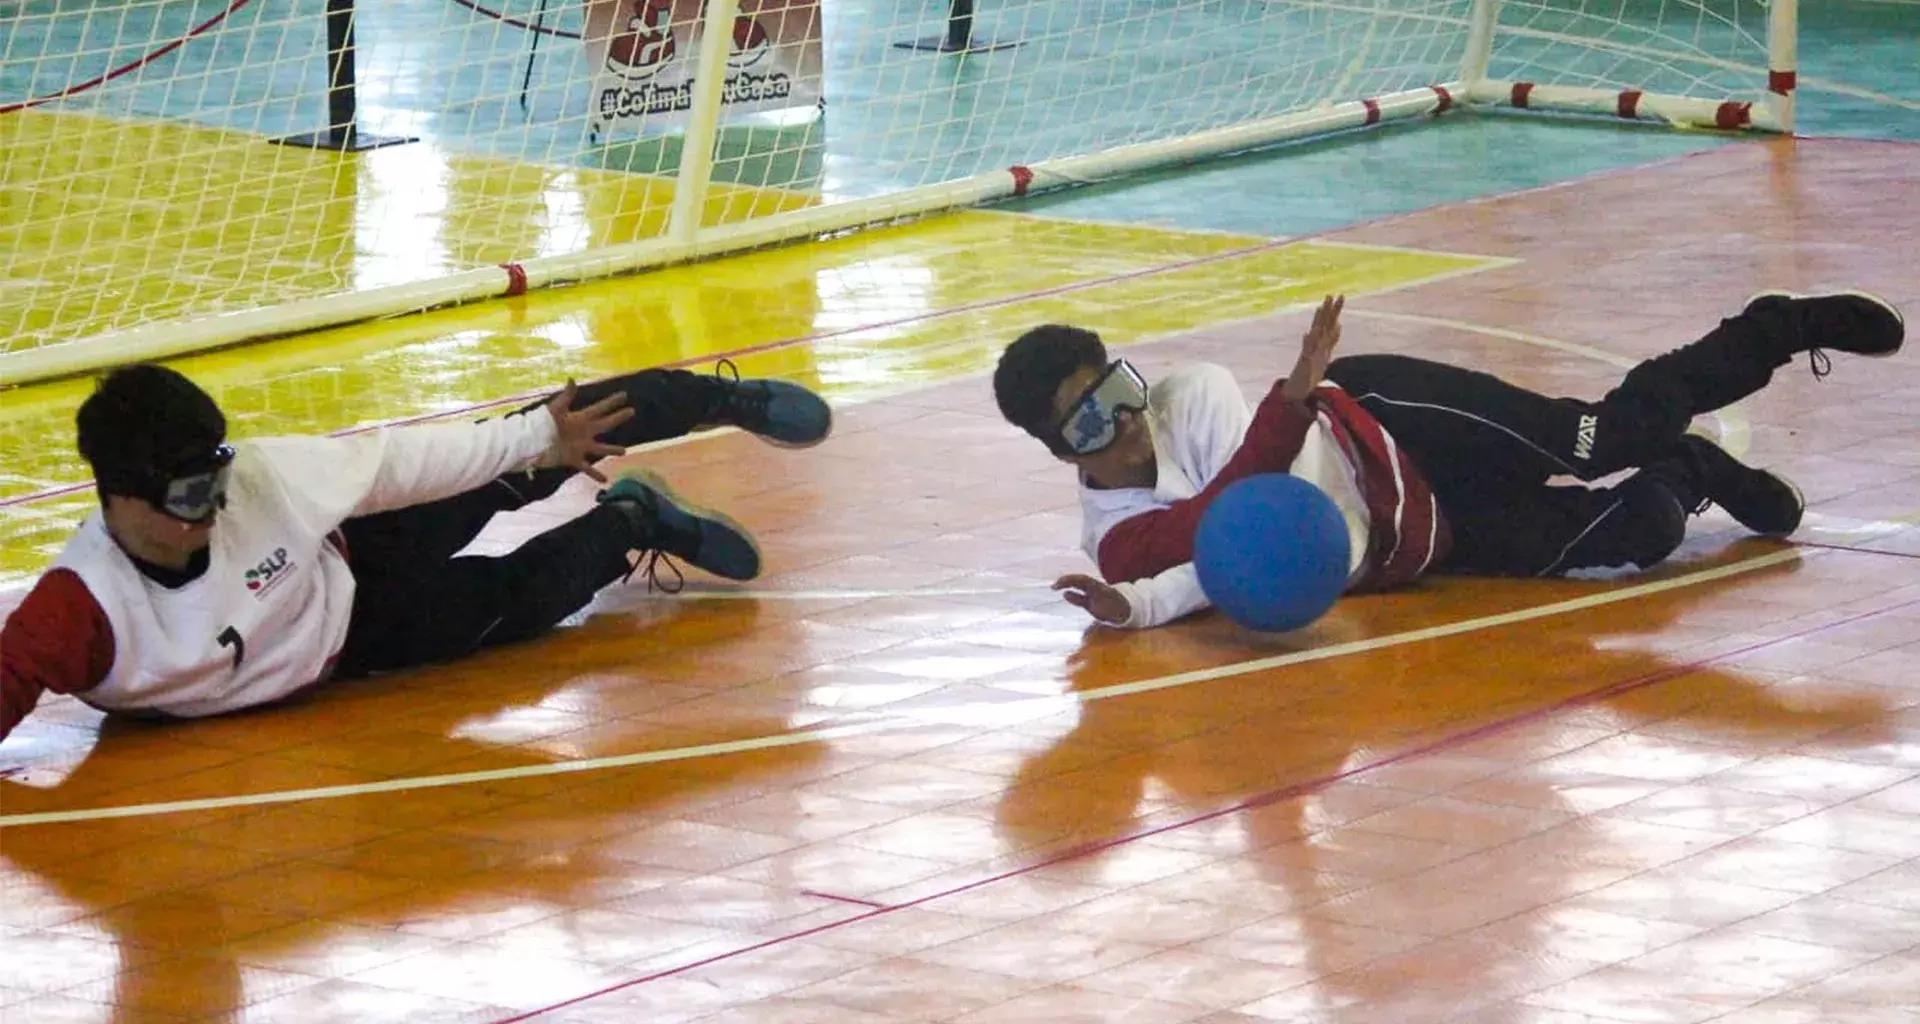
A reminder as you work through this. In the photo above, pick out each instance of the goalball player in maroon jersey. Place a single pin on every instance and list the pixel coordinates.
(1435, 468)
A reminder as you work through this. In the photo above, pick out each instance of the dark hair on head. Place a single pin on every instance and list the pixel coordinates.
(1031, 370)
(145, 419)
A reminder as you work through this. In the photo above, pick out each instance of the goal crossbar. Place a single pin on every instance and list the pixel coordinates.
(686, 238)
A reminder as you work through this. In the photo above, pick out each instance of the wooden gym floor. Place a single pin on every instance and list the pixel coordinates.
(897, 781)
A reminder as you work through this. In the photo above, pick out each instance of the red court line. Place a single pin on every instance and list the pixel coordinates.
(1288, 792)
(129, 67)
(808, 339)
(840, 899)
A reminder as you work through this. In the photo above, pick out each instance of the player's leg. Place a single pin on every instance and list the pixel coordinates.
(1455, 420)
(411, 611)
(672, 403)
(1460, 423)
(1738, 357)
(1471, 431)
(1546, 530)
(666, 403)
(433, 531)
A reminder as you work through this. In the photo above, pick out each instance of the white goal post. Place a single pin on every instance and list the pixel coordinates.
(154, 208)
(1630, 99)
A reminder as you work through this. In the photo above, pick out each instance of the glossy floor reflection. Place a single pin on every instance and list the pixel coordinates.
(897, 781)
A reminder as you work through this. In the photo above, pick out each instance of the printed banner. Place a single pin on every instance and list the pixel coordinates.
(643, 54)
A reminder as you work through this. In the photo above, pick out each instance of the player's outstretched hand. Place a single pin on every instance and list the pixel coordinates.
(1100, 600)
(576, 442)
(1316, 349)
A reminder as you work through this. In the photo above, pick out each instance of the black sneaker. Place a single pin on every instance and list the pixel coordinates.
(1856, 322)
(671, 526)
(1764, 502)
(785, 414)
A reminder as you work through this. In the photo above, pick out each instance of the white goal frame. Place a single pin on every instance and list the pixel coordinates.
(1774, 114)
(687, 240)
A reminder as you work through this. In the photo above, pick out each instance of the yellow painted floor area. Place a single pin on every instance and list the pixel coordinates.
(858, 316)
(113, 223)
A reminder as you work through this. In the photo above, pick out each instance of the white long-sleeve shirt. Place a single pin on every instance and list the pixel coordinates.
(1197, 418)
(269, 615)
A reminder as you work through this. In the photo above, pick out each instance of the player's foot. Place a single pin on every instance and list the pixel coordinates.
(786, 414)
(1764, 502)
(1855, 322)
(670, 525)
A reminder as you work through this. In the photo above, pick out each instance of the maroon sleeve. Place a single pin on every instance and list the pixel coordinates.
(1152, 542)
(59, 639)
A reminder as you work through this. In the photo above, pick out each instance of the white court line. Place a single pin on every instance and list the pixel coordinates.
(897, 721)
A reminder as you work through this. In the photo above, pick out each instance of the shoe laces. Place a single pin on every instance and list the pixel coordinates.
(651, 561)
(1817, 359)
(750, 401)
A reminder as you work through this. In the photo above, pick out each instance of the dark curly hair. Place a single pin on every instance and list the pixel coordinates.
(145, 419)
(1031, 370)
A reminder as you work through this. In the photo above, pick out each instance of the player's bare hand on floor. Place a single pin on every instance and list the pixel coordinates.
(1100, 600)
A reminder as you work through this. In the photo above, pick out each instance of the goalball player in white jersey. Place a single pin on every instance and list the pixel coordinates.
(216, 577)
(1435, 468)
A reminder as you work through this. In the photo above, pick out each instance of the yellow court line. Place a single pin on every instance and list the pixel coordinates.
(898, 722)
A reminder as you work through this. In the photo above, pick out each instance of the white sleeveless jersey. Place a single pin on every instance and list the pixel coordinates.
(270, 613)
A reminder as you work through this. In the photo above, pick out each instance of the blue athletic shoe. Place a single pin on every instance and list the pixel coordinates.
(785, 414)
(669, 525)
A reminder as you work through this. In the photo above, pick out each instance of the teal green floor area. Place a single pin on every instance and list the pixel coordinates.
(1860, 68)
(1331, 183)
(1859, 78)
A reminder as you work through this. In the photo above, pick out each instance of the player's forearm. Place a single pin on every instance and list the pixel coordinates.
(419, 464)
(1173, 594)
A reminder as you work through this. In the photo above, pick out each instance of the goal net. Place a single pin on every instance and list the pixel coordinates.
(183, 174)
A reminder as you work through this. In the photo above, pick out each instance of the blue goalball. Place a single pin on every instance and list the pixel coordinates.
(1272, 552)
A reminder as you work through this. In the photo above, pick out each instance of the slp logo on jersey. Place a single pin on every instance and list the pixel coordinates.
(268, 574)
(1583, 441)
